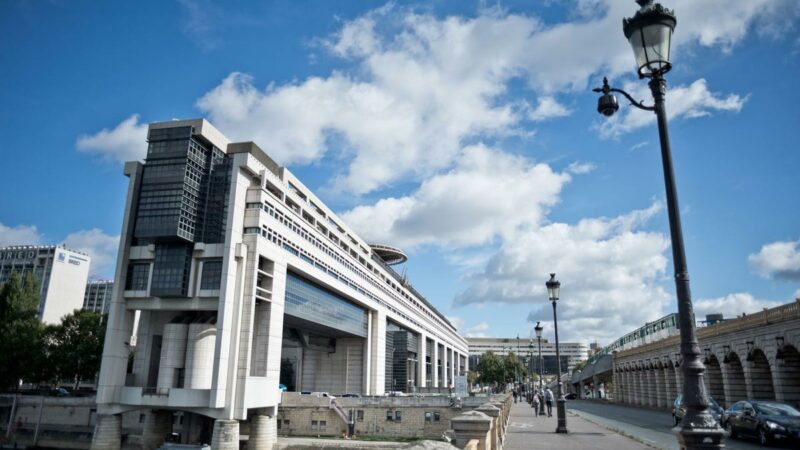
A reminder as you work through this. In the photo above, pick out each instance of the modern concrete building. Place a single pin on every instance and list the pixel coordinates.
(244, 280)
(62, 275)
(571, 352)
(97, 297)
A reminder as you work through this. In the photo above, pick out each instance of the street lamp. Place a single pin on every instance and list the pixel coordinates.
(538, 329)
(649, 32)
(553, 289)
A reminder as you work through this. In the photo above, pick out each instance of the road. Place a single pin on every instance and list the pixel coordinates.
(650, 426)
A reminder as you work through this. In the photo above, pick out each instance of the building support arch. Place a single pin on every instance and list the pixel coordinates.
(760, 376)
(735, 385)
(788, 372)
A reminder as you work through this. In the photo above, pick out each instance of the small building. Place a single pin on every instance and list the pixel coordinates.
(97, 297)
(61, 272)
(528, 351)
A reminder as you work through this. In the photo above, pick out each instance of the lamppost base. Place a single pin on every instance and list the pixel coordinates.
(700, 438)
(561, 413)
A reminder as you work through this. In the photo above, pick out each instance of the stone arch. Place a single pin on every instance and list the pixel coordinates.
(652, 389)
(761, 376)
(735, 386)
(658, 377)
(639, 381)
(670, 389)
(714, 380)
(789, 373)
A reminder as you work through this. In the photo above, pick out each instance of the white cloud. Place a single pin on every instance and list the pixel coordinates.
(609, 269)
(579, 168)
(479, 330)
(125, 142)
(685, 102)
(780, 260)
(731, 305)
(548, 108)
(19, 235)
(472, 204)
(101, 247)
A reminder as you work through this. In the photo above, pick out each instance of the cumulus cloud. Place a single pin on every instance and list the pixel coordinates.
(548, 108)
(779, 260)
(101, 247)
(19, 235)
(479, 330)
(609, 269)
(125, 142)
(731, 305)
(472, 204)
(686, 102)
(579, 168)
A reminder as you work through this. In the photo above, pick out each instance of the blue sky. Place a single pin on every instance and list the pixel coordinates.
(463, 132)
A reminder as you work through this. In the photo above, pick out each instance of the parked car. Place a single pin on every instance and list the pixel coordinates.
(571, 396)
(348, 395)
(767, 421)
(679, 410)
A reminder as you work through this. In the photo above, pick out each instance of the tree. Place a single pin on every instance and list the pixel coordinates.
(514, 367)
(75, 346)
(580, 365)
(490, 369)
(20, 331)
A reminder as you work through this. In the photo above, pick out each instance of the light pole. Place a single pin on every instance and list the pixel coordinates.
(553, 288)
(649, 32)
(538, 328)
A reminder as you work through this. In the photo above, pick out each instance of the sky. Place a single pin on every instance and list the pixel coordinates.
(465, 133)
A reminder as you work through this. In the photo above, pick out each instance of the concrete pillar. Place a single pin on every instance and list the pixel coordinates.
(472, 425)
(581, 388)
(226, 435)
(421, 356)
(595, 386)
(157, 426)
(378, 353)
(435, 364)
(107, 432)
(263, 432)
(492, 412)
(173, 355)
(445, 371)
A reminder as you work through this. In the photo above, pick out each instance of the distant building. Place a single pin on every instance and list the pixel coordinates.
(97, 297)
(571, 353)
(62, 275)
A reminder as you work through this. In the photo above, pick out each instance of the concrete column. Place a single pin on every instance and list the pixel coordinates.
(581, 387)
(445, 372)
(472, 425)
(173, 355)
(378, 353)
(226, 435)
(435, 364)
(494, 413)
(157, 426)
(263, 432)
(421, 356)
(107, 432)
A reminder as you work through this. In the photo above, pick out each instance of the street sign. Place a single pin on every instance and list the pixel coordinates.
(461, 386)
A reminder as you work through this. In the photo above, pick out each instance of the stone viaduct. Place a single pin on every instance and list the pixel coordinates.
(752, 357)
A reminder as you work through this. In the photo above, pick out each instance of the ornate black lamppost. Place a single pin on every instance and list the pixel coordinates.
(553, 289)
(538, 329)
(649, 32)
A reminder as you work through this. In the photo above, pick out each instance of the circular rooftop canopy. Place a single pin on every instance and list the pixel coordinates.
(389, 255)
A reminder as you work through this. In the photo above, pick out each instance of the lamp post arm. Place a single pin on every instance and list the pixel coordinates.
(606, 89)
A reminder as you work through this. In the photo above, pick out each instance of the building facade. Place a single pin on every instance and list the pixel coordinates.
(97, 297)
(528, 351)
(245, 280)
(61, 272)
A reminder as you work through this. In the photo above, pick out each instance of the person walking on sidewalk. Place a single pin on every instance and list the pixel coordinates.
(516, 394)
(535, 403)
(548, 401)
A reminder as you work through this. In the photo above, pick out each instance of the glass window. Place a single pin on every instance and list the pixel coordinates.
(314, 425)
(138, 273)
(389, 416)
(397, 416)
(307, 301)
(436, 416)
(212, 274)
(428, 416)
(360, 415)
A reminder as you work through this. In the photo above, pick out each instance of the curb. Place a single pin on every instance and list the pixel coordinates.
(621, 432)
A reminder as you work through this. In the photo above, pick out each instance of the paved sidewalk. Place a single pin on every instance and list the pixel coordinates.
(527, 432)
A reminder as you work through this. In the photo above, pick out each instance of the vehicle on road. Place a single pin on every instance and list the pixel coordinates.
(679, 410)
(571, 396)
(768, 421)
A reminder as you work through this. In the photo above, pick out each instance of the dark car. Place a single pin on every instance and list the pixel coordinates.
(571, 396)
(767, 421)
(679, 410)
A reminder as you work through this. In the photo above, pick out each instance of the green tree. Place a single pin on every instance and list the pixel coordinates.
(514, 367)
(20, 331)
(490, 369)
(75, 346)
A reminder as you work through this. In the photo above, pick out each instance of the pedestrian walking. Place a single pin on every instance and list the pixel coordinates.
(516, 394)
(548, 401)
(535, 404)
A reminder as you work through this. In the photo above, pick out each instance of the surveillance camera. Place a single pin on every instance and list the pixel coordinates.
(607, 105)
